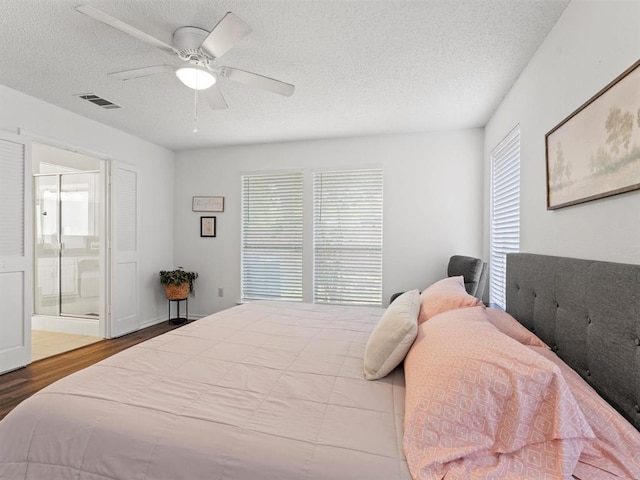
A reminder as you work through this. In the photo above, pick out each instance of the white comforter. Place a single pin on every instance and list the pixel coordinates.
(265, 390)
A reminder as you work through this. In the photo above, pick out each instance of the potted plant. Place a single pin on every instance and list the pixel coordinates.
(178, 283)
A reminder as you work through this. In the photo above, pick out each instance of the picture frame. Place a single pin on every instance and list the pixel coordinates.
(207, 226)
(207, 204)
(595, 151)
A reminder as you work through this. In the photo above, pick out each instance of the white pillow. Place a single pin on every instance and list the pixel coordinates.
(391, 339)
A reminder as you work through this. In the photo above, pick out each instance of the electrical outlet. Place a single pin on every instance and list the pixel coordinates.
(221, 292)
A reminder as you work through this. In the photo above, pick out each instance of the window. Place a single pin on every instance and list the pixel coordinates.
(272, 237)
(505, 211)
(347, 237)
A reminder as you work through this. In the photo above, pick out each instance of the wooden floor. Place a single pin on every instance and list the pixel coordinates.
(22, 383)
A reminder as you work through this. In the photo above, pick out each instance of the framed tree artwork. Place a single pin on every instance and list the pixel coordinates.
(595, 151)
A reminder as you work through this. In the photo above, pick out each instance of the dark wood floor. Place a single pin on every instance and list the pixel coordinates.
(22, 383)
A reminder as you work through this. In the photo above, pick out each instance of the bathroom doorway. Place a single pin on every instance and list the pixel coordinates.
(68, 251)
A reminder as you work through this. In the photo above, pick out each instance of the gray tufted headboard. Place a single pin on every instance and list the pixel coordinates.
(588, 312)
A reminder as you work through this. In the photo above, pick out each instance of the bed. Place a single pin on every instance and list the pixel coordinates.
(275, 390)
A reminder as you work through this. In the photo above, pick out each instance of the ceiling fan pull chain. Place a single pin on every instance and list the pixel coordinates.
(195, 111)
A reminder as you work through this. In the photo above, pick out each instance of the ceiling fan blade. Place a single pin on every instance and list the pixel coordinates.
(123, 27)
(215, 99)
(229, 31)
(141, 72)
(258, 81)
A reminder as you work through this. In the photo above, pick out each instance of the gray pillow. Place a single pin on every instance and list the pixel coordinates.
(393, 336)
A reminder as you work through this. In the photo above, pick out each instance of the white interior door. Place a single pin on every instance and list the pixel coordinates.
(124, 304)
(16, 251)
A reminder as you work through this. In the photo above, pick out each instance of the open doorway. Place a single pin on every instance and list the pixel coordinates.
(68, 251)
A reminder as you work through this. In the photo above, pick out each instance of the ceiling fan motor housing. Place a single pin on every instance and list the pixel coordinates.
(187, 41)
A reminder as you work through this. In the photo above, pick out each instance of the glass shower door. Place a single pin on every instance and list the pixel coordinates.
(67, 247)
(47, 245)
(80, 245)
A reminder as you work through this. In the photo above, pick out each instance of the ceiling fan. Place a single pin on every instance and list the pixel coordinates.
(198, 48)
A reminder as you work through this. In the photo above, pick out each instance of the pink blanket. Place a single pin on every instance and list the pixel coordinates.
(265, 390)
(614, 453)
(481, 405)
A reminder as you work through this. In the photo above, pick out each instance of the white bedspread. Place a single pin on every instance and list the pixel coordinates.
(266, 390)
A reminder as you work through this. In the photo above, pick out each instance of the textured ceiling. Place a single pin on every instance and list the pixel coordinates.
(359, 67)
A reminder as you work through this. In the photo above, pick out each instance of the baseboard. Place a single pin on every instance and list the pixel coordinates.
(153, 321)
(163, 318)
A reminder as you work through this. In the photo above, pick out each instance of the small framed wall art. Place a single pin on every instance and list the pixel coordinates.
(207, 204)
(207, 226)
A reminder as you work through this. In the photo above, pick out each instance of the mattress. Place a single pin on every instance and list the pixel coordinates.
(270, 390)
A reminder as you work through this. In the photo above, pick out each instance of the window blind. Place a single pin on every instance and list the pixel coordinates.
(347, 237)
(272, 237)
(505, 211)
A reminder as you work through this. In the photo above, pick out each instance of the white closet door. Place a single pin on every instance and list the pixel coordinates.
(16, 251)
(124, 307)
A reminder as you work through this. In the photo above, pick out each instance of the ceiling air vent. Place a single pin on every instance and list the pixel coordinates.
(96, 100)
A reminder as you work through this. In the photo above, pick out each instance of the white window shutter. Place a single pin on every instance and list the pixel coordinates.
(505, 211)
(272, 237)
(347, 237)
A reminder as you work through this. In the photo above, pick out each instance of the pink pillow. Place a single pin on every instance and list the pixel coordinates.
(480, 405)
(511, 327)
(447, 294)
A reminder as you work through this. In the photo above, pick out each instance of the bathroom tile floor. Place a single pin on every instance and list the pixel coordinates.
(45, 344)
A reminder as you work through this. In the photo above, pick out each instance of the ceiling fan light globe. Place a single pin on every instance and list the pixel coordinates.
(195, 78)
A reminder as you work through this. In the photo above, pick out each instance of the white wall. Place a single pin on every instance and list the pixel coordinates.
(433, 190)
(155, 177)
(592, 43)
